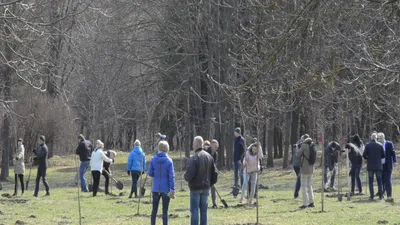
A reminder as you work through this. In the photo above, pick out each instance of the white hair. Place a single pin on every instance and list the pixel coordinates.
(213, 141)
(137, 143)
(163, 146)
(101, 144)
(198, 142)
(381, 137)
(374, 136)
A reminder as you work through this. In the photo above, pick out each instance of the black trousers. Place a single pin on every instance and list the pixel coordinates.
(96, 181)
(106, 182)
(21, 180)
(41, 173)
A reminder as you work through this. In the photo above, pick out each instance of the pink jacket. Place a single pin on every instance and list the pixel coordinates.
(251, 163)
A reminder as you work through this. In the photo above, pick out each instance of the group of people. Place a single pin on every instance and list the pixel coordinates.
(39, 159)
(379, 155)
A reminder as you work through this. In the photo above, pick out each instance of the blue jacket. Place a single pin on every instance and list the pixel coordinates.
(239, 149)
(374, 154)
(137, 160)
(162, 170)
(390, 156)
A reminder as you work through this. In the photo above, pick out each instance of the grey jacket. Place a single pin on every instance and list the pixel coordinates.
(305, 167)
(200, 171)
(19, 164)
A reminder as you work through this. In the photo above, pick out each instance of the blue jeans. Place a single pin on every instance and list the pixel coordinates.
(198, 199)
(332, 177)
(82, 173)
(387, 183)
(355, 176)
(156, 201)
(378, 174)
(236, 172)
(298, 182)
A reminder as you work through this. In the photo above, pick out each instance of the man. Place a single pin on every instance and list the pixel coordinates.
(388, 163)
(296, 165)
(84, 151)
(157, 139)
(306, 171)
(239, 150)
(373, 153)
(41, 157)
(200, 174)
(212, 150)
(331, 159)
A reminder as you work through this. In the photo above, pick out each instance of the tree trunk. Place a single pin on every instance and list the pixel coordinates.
(287, 140)
(275, 138)
(270, 159)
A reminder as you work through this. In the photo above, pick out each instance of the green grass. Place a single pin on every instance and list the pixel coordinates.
(277, 205)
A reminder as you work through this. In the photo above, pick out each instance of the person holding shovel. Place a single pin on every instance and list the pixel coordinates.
(19, 167)
(212, 150)
(162, 170)
(41, 157)
(96, 164)
(106, 172)
(331, 159)
(136, 166)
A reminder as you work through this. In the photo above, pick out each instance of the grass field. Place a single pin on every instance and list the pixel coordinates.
(277, 205)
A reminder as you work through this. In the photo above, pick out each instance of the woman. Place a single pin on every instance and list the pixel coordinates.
(136, 166)
(251, 167)
(96, 165)
(162, 170)
(19, 167)
(358, 143)
(356, 160)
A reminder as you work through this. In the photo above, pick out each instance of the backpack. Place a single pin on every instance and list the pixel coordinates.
(312, 156)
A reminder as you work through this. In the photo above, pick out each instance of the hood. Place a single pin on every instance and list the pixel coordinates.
(137, 150)
(353, 147)
(161, 158)
(308, 141)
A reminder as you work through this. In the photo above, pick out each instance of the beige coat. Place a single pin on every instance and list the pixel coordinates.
(19, 165)
(305, 167)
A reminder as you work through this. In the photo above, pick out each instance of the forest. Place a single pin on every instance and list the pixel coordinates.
(120, 70)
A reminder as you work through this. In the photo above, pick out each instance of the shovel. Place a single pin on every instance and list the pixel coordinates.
(143, 189)
(29, 176)
(118, 184)
(222, 200)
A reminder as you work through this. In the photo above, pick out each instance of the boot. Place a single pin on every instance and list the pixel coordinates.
(130, 196)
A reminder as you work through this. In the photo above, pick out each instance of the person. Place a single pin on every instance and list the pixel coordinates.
(331, 159)
(388, 163)
(83, 150)
(306, 173)
(374, 154)
(41, 157)
(106, 171)
(136, 166)
(251, 167)
(356, 161)
(161, 168)
(19, 167)
(255, 141)
(356, 140)
(96, 165)
(201, 175)
(157, 139)
(206, 144)
(296, 164)
(239, 150)
(212, 150)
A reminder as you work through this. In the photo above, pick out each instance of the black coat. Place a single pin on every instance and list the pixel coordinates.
(200, 171)
(84, 150)
(374, 153)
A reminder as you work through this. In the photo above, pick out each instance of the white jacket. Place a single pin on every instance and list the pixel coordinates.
(96, 161)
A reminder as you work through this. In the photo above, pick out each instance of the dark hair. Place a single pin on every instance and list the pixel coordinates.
(357, 141)
(19, 139)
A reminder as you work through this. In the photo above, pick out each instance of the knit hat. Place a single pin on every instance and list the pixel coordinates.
(238, 130)
(42, 137)
(163, 137)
